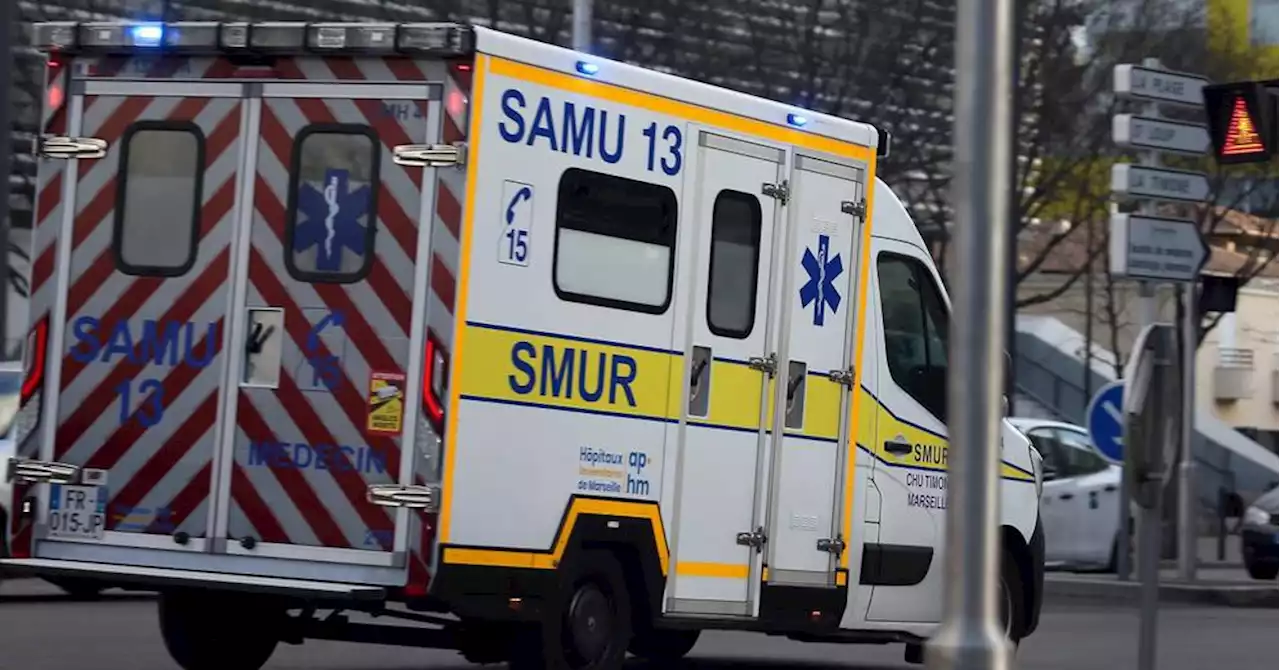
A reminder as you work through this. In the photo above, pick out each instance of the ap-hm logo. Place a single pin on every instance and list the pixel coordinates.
(821, 287)
(332, 219)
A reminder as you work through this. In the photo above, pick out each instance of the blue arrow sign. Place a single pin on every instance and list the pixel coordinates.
(1105, 421)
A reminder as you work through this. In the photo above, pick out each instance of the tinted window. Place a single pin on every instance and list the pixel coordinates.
(158, 198)
(615, 241)
(333, 200)
(1078, 454)
(915, 331)
(735, 262)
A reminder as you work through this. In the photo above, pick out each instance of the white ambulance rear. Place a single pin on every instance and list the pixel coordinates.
(484, 335)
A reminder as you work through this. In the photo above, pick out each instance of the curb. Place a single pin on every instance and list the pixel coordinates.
(1102, 591)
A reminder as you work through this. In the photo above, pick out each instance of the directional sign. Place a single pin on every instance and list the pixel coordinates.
(1155, 248)
(1105, 422)
(1144, 83)
(1159, 183)
(1140, 132)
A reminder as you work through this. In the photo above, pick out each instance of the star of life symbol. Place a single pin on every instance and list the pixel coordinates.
(332, 219)
(821, 288)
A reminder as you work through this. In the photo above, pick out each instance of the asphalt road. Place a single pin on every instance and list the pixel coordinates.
(40, 630)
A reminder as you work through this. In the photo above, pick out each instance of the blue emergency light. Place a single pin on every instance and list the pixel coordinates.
(589, 69)
(797, 120)
(147, 34)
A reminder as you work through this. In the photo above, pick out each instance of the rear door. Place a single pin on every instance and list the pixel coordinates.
(143, 353)
(326, 321)
(811, 405)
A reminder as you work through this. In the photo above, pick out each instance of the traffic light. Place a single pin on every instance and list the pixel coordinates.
(1242, 121)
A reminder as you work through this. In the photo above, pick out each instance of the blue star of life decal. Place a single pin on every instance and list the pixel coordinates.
(821, 288)
(332, 214)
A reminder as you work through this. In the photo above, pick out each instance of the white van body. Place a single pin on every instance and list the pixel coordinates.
(348, 315)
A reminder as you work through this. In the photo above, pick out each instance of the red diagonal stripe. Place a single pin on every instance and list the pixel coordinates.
(350, 397)
(113, 127)
(291, 479)
(177, 379)
(142, 288)
(405, 69)
(193, 429)
(104, 394)
(397, 303)
(448, 208)
(50, 196)
(42, 269)
(255, 508)
(349, 480)
(187, 500)
(443, 283)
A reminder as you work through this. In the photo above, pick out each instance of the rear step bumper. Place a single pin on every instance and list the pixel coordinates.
(145, 578)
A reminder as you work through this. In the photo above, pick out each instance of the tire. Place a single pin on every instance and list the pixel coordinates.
(1012, 605)
(663, 646)
(1262, 570)
(79, 589)
(587, 627)
(212, 631)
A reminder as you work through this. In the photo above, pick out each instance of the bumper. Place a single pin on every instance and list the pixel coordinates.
(1036, 596)
(1258, 546)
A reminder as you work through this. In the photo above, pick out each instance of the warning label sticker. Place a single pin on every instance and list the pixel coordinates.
(386, 403)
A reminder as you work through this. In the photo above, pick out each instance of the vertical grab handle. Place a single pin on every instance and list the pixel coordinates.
(700, 382)
(797, 373)
(263, 346)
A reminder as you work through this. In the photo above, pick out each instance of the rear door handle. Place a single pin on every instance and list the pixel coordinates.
(899, 447)
(1109, 488)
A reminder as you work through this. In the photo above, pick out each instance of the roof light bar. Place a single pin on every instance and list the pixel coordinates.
(442, 39)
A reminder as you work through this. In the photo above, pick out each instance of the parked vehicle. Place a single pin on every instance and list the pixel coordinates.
(1080, 501)
(1258, 536)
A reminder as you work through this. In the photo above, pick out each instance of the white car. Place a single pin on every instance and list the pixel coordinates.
(1080, 502)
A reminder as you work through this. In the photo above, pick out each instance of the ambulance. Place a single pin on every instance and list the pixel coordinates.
(539, 356)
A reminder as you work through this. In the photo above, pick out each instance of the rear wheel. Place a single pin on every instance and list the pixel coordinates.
(213, 631)
(1262, 570)
(660, 645)
(80, 589)
(588, 627)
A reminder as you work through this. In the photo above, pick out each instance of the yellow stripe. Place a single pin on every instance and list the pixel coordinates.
(683, 110)
(721, 570)
(551, 370)
(543, 560)
(859, 336)
(460, 302)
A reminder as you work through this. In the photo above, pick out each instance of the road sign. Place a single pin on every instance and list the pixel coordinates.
(1242, 121)
(1141, 132)
(1137, 181)
(1144, 83)
(1156, 248)
(1105, 421)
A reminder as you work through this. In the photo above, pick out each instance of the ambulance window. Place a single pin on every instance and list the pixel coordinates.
(615, 242)
(915, 331)
(333, 196)
(162, 170)
(735, 262)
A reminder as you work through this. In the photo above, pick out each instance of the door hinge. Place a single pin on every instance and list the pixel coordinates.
(755, 539)
(833, 546)
(430, 155)
(61, 147)
(780, 191)
(767, 364)
(842, 377)
(858, 209)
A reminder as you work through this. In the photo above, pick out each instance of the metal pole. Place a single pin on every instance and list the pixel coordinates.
(582, 25)
(1149, 527)
(8, 25)
(969, 637)
(1188, 534)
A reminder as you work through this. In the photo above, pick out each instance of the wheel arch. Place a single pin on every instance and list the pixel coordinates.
(1023, 554)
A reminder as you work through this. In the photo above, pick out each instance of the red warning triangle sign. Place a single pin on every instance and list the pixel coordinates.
(1242, 134)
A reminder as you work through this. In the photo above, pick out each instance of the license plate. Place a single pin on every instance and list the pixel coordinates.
(77, 512)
